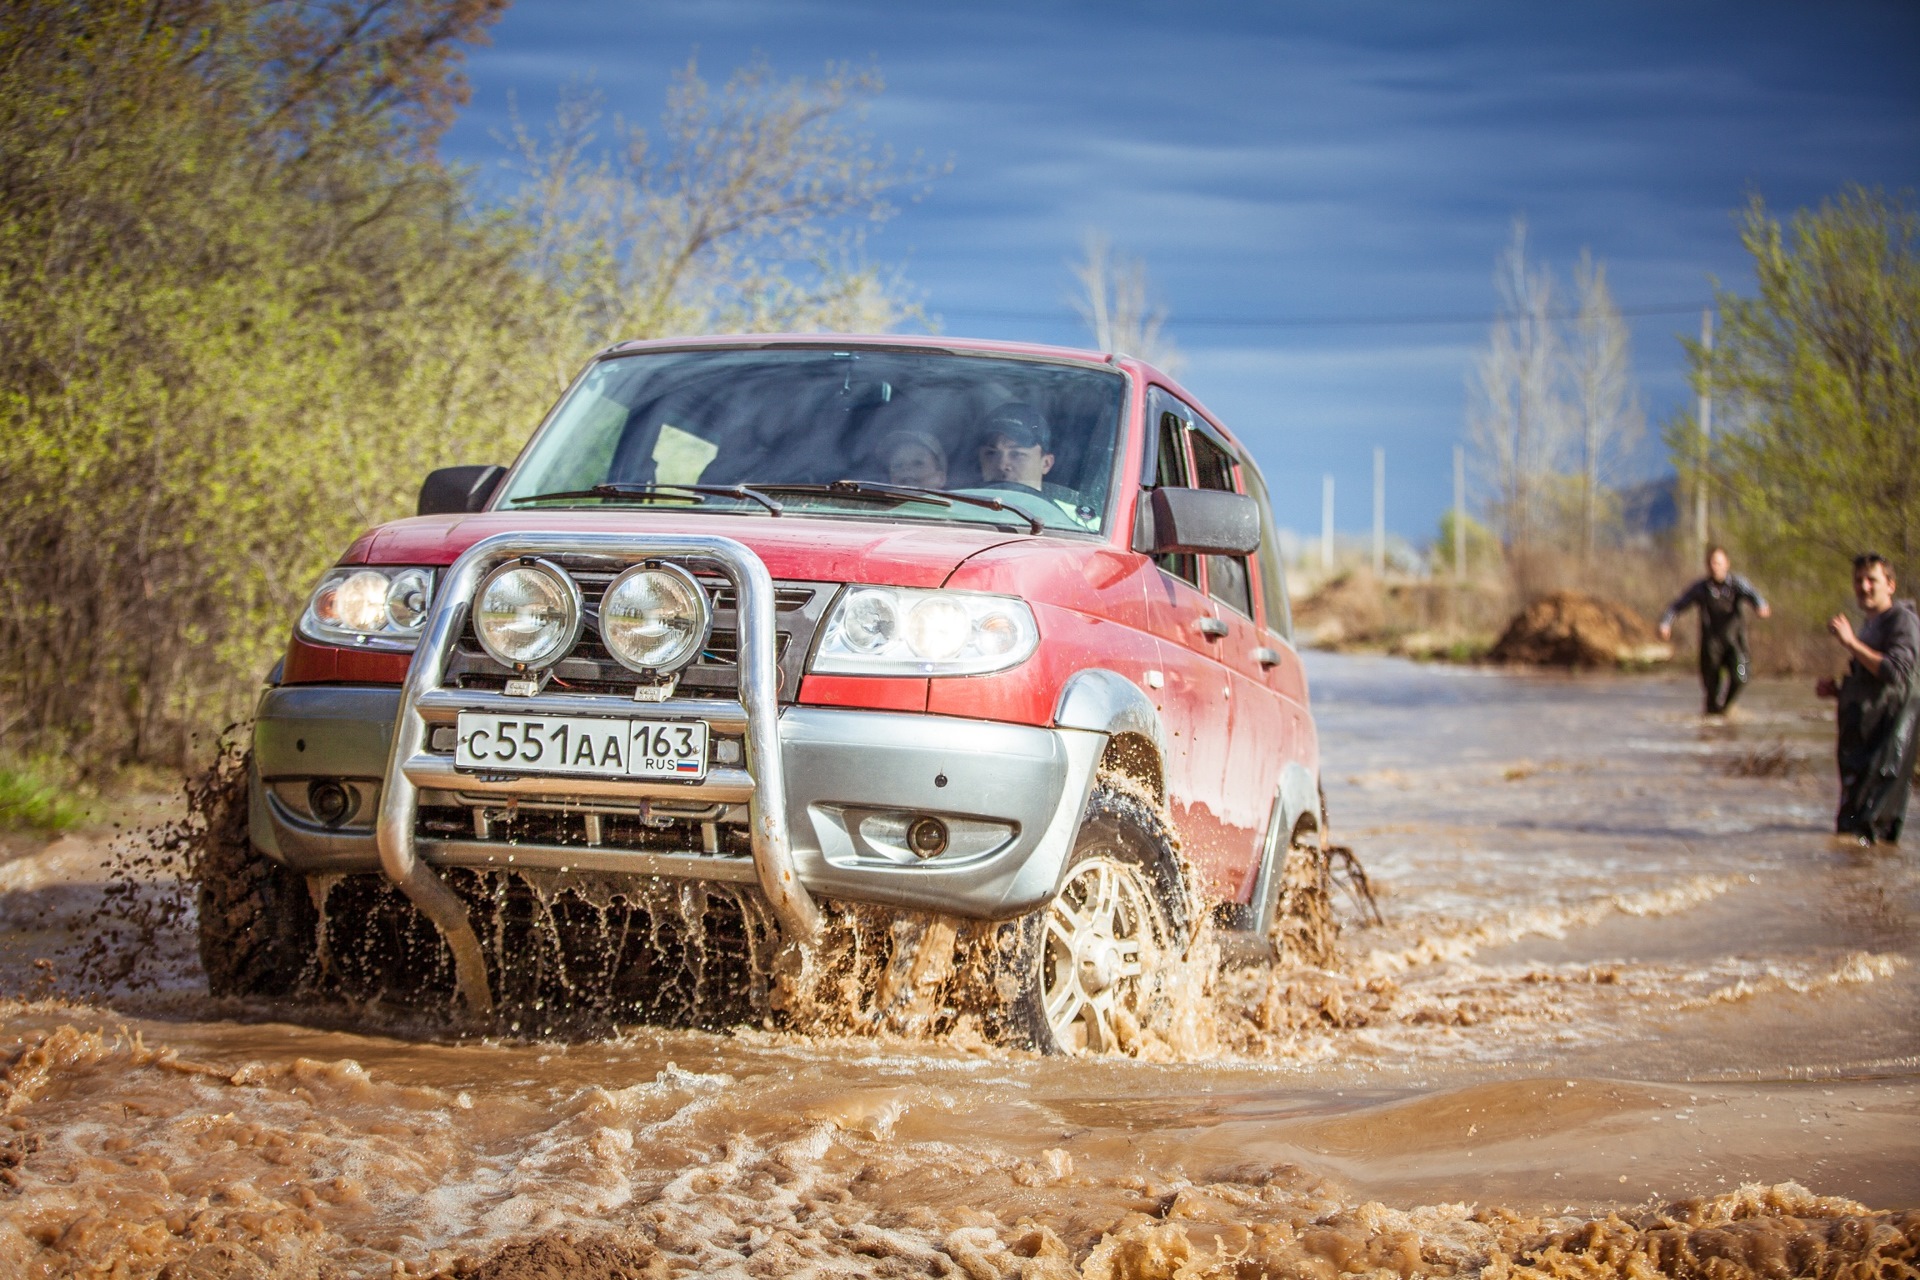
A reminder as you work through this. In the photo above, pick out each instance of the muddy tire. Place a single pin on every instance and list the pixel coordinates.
(1079, 974)
(258, 926)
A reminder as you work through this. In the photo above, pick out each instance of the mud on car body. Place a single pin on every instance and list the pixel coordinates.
(948, 633)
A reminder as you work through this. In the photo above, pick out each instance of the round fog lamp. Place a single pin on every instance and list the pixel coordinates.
(329, 801)
(927, 836)
(654, 617)
(527, 615)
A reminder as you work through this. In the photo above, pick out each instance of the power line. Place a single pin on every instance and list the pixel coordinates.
(1312, 322)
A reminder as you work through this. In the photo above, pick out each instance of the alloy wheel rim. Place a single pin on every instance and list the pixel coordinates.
(1101, 930)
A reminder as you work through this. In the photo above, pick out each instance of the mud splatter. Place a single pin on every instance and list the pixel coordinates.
(1630, 1016)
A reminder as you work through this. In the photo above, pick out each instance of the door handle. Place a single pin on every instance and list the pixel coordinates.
(1212, 628)
(1266, 657)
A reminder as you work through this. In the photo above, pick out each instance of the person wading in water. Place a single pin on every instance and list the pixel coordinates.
(1723, 628)
(1879, 706)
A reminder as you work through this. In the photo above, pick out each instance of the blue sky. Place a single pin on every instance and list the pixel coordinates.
(1339, 170)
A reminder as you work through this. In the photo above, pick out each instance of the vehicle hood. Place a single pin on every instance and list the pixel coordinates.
(806, 548)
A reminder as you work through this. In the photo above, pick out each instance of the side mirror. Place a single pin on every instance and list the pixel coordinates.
(452, 490)
(1206, 522)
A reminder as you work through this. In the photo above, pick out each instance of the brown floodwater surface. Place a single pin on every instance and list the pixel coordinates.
(1629, 1008)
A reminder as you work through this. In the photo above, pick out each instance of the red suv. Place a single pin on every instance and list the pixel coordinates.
(988, 643)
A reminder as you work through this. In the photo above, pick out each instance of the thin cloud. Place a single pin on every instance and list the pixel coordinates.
(1362, 158)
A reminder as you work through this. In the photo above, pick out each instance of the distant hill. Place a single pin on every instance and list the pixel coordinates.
(1650, 507)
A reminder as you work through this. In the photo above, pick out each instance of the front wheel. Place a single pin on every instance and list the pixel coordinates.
(259, 931)
(1086, 968)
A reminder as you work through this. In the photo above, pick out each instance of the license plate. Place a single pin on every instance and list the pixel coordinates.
(582, 745)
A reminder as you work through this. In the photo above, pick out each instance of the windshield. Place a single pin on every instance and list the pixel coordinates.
(905, 425)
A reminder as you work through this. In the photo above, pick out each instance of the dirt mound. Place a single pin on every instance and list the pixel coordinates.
(1348, 609)
(1573, 629)
(1414, 618)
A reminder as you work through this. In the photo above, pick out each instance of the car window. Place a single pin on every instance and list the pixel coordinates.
(1212, 466)
(1170, 417)
(1228, 577)
(1274, 602)
(1036, 435)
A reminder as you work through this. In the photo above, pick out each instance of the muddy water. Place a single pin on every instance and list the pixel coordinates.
(1629, 1008)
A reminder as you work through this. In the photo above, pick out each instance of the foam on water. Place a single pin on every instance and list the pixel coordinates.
(1626, 1007)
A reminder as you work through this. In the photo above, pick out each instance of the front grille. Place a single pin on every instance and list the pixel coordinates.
(527, 824)
(798, 610)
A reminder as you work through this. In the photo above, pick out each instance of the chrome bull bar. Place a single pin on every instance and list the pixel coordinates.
(762, 783)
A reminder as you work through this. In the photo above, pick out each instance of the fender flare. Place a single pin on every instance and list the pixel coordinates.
(1101, 701)
(1296, 801)
(1299, 797)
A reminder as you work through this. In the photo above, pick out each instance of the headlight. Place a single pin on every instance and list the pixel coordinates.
(361, 604)
(654, 618)
(527, 614)
(408, 597)
(897, 631)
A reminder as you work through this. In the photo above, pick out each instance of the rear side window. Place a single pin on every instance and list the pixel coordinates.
(1273, 579)
(1228, 577)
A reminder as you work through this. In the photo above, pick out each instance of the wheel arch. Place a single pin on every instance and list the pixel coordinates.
(1299, 798)
(1296, 811)
(1103, 701)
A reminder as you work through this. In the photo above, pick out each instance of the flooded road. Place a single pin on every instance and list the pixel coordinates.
(1627, 995)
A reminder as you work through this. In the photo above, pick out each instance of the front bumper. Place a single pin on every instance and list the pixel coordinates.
(1011, 795)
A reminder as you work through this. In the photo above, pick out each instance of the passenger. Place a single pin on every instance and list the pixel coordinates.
(1723, 628)
(1879, 706)
(914, 459)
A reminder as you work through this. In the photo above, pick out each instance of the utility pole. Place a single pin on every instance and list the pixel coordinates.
(1379, 512)
(1326, 522)
(1459, 514)
(1706, 431)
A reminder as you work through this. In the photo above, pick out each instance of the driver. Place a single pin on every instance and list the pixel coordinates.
(1016, 452)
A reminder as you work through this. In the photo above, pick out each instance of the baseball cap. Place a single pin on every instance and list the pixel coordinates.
(1021, 423)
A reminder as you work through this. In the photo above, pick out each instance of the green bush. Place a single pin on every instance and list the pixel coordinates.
(244, 310)
(27, 799)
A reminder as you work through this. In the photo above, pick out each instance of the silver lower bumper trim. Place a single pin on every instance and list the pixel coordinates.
(490, 855)
(839, 765)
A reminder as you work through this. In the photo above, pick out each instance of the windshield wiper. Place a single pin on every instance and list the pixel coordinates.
(701, 491)
(905, 493)
(975, 500)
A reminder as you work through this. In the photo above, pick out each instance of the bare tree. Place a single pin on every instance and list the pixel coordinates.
(1604, 402)
(1115, 302)
(1517, 419)
(747, 216)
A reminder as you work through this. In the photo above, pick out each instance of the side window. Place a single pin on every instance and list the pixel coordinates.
(1171, 467)
(1227, 576)
(1273, 578)
(1212, 466)
(1170, 419)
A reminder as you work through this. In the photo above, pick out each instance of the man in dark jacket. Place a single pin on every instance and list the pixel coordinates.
(1723, 628)
(1879, 706)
